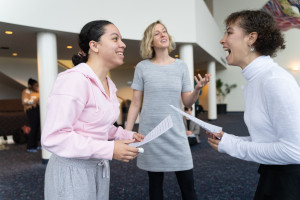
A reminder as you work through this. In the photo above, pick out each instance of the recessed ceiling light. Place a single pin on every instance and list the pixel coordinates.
(295, 67)
(14, 54)
(8, 32)
(69, 47)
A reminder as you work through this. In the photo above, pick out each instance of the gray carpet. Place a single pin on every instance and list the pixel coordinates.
(217, 176)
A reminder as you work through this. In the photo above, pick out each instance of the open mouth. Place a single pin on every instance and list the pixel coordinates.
(228, 50)
(120, 53)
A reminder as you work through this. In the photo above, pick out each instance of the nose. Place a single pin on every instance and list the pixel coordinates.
(222, 41)
(163, 34)
(122, 44)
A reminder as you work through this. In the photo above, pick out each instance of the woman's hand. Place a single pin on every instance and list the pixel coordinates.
(138, 137)
(213, 141)
(201, 82)
(124, 152)
(189, 133)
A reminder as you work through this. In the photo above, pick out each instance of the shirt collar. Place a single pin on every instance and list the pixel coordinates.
(257, 67)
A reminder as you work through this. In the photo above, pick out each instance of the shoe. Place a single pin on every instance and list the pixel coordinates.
(2, 141)
(31, 150)
(10, 139)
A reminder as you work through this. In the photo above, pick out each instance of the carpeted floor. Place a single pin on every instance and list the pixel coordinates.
(217, 176)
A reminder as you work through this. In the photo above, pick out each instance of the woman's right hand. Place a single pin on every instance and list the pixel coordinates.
(123, 151)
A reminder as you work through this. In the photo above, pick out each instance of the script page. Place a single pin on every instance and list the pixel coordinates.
(208, 127)
(161, 128)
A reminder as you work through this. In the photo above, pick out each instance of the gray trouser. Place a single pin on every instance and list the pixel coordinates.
(77, 179)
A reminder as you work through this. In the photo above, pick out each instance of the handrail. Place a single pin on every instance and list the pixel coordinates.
(63, 65)
(121, 98)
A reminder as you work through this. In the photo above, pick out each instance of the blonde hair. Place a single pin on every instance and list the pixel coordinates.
(146, 49)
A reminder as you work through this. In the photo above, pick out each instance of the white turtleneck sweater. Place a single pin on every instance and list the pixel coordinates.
(272, 115)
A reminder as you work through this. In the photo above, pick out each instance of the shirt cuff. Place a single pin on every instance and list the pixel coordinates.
(225, 140)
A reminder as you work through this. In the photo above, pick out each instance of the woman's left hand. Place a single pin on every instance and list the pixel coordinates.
(138, 137)
(213, 141)
(201, 82)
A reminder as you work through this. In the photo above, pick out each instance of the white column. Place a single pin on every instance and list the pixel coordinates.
(212, 97)
(186, 54)
(47, 72)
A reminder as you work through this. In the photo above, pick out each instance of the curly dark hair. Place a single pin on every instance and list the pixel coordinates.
(269, 38)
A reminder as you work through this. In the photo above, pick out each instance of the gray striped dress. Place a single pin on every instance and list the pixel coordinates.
(162, 86)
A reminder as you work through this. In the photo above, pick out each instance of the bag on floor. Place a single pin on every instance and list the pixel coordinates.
(21, 136)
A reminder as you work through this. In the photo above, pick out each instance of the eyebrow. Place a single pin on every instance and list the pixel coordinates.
(160, 30)
(116, 35)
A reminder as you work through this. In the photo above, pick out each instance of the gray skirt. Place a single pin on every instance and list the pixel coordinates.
(76, 179)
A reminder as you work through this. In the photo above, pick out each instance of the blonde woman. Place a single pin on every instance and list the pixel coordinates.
(161, 80)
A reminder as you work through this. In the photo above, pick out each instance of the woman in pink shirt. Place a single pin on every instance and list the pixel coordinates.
(81, 110)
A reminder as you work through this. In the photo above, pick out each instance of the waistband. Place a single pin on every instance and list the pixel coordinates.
(85, 163)
(279, 168)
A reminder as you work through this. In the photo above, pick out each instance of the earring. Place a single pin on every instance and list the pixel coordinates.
(251, 48)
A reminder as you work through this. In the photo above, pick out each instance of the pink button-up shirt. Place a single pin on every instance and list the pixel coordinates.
(80, 116)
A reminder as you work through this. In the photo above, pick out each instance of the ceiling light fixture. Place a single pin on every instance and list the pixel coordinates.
(14, 54)
(176, 56)
(69, 47)
(8, 32)
(294, 67)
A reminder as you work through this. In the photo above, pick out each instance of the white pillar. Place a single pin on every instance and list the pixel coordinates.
(186, 54)
(47, 72)
(212, 96)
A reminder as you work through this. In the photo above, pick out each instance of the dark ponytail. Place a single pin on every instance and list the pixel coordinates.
(91, 31)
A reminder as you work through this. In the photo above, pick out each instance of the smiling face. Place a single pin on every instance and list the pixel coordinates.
(111, 47)
(160, 37)
(236, 43)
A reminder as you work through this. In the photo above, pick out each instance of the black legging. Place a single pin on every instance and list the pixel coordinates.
(33, 115)
(185, 180)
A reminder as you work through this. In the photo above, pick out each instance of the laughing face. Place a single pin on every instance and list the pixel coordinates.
(235, 42)
(160, 37)
(111, 47)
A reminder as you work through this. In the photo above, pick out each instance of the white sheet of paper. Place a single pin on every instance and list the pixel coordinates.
(161, 128)
(209, 127)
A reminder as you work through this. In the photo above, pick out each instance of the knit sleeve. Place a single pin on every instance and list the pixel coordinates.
(138, 82)
(282, 101)
(186, 83)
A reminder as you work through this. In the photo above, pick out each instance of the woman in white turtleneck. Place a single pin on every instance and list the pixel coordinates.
(272, 106)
